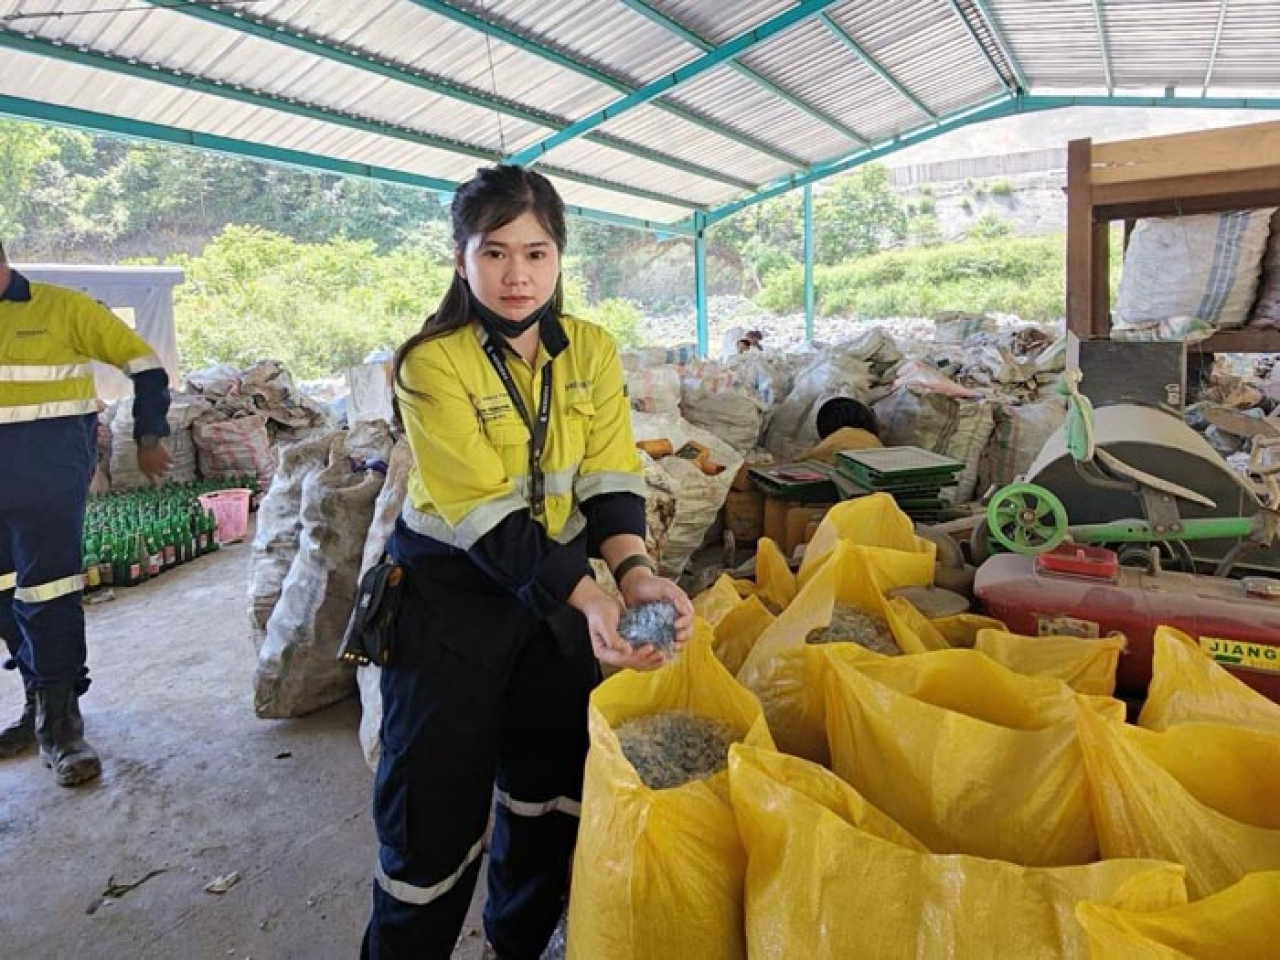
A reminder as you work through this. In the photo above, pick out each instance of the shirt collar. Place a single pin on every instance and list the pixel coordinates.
(19, 288)
(550, 331)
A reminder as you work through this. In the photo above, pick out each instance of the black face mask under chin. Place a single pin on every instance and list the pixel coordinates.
(510, 329)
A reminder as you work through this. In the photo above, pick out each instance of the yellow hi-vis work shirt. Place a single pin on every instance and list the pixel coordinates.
(46, 344)
(471, 446)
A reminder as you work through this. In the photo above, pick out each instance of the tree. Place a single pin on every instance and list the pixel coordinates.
(858, 214)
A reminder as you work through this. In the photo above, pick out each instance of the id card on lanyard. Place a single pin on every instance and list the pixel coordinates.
(538, 427)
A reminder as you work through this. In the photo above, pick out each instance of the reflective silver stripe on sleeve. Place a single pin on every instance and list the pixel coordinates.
(473, 526)
(558, 483)
(19, 373)
(420, 896)
(47, 411)
(52, 590)
(608, 481)
(428, 524)
(485, 517)
(149, 362)
(572, 527)
(528, 808)
(8, 581)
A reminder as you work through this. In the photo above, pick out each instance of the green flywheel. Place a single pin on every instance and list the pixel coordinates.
(1026, 518)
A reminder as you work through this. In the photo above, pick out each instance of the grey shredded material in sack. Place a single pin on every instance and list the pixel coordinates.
(650, 623)
(673, 748)
(852, 625)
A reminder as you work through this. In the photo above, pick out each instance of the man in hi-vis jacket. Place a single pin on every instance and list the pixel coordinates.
(48, 434)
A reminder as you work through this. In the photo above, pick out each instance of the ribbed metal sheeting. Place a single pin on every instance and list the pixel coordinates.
(434, 88)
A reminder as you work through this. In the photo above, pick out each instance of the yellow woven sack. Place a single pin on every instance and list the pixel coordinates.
(830, 877)
(1087, 666)
(968, 755)
(713, 603)
(876, 523)
(1202, 795)
(1240, 923)
(775, 583)
(659, 873)
(785, 672)
(738, 631)
(1188, 687)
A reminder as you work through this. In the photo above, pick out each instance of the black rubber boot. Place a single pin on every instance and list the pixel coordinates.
(21, 735)
(60, 731)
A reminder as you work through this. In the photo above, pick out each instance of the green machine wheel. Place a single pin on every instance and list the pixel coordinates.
(1026, 518)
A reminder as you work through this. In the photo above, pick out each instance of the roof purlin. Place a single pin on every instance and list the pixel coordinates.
(663, 85)
(159, 74)
(568, 63)
(297, 39)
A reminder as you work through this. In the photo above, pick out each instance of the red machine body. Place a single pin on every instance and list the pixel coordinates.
(1237, 630)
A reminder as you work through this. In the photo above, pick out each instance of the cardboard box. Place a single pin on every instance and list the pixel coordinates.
(790, 524)
(744, 515)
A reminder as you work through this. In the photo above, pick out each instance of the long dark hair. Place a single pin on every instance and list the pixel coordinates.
(490, 200)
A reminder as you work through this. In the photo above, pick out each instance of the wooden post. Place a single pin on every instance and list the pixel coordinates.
(1080, 240)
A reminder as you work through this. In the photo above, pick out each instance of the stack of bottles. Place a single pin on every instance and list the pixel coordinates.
(130, 538)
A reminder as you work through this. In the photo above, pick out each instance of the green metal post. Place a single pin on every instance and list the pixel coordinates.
(807, 206)
(700, 284)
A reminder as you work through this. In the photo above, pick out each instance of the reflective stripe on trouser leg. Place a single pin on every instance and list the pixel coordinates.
(442, 710)
(43, 490)
(44, 592)
(540, 769)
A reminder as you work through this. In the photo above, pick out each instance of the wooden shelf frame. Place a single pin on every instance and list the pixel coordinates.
(1236, 168)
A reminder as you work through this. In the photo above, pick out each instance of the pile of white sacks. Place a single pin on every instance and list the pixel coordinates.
(975, 388)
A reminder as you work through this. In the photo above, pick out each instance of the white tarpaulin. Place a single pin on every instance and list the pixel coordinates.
(141, 296)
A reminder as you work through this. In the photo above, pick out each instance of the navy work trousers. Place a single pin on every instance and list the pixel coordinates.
(44, 486)
(482, 703)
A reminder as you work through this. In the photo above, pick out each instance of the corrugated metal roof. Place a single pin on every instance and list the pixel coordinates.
(426, 90)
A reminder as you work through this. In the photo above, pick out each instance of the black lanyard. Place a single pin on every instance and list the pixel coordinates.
(538, 428)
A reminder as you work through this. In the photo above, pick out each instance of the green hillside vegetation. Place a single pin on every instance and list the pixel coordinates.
(1018, 275)
(320, 307)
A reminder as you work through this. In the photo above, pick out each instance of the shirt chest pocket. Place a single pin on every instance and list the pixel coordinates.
(507, 434)
(32, 346)
(580, 418)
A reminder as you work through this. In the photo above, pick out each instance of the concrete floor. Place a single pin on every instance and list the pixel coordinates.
(195, 787)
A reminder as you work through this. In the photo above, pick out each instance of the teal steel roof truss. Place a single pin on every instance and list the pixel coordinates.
(651, 91)
(843, 36)
(264, 29)
(688, 36)
(22, 109)
(177, 78)
(599, 76)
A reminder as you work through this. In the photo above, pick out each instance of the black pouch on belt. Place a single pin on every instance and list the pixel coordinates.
(368, 636)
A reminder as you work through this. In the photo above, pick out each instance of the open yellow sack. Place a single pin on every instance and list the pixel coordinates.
(1087, 666)
(1202, 795)
(1240, 923)
(962, 629)
(785, 672)
(659, 873)
(737, 632)
(968, 755)
(830, 877)
(1188, 687)
(713, 603)
(876, 524)
(775, 583)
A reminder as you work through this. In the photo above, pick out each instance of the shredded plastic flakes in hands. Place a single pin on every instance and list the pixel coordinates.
(673, 748)
(652, 624)
(852, 625)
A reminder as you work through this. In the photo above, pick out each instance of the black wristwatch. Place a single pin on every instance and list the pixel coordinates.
(630, 563)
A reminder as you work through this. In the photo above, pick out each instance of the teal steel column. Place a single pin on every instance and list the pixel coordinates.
(807, 207)
(700, 282)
